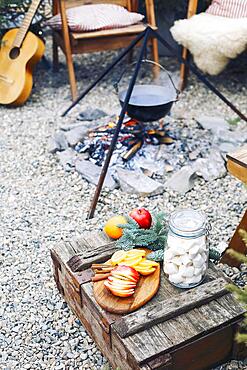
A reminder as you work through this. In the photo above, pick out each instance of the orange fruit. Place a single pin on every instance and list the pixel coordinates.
(111, 228)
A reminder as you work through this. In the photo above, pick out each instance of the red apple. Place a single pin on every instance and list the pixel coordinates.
(142, 216)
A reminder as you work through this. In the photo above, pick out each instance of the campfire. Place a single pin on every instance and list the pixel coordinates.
(133, 135)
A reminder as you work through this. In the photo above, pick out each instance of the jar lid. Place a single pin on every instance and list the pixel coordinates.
(188, 222)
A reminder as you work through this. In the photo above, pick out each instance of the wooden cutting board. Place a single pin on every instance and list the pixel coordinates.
(146, 288)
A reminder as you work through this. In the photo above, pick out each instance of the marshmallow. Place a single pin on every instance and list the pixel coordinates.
(194, 250)
(177, 260)
(178, 249)
(189, 271)
(176, 278)
(170, 268)
(168, 254)
(193, 280)
(198, 261)
(204, 256)
(199, 270)
(186, 259)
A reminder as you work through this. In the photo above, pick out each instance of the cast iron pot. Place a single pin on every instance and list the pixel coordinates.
(149, 102)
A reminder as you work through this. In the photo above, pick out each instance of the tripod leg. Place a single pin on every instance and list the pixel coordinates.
(118, 128)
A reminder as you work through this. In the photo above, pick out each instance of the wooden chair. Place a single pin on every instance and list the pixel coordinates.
(87, 42)
(192, 8)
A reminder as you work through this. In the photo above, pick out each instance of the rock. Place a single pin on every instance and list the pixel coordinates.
(84, 356)
(149, 167)
(67, 159)
(182, 181)
(227, 147)
(91, 173)
(234, 137)
(168, 168)
(214, 124)
(57, 143)
(91, 114)
(210, 168)
(133, 182)
(194, 154)
(76, 134)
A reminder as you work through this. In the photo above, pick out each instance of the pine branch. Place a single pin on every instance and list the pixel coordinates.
(214, 254)
(157, 256)
(153, 238)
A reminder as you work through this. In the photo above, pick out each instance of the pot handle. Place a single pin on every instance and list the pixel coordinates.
(116, 83)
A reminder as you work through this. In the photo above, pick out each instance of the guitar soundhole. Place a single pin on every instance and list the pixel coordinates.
(14, 53)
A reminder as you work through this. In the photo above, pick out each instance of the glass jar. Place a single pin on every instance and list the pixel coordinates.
(186, 254)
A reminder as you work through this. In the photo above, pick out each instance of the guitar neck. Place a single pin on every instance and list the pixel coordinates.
(26, 23)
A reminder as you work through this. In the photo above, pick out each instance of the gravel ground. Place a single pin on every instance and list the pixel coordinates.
(41, 204)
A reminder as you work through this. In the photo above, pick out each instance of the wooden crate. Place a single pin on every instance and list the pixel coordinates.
(177, 330)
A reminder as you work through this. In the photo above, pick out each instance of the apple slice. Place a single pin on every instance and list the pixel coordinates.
(125, 271)
(115, 280)
(119, 292)
(123, 293)
(120, 286)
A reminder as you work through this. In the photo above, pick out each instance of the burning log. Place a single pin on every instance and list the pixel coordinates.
(132, 136)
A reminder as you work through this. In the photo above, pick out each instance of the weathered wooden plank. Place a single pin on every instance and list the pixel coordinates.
(125, 359)
(233, 307)
(154, 342)
(90, 248)
(171, 334)
(163, 362)
(104, 318)
(63, 251)
(171, 307)
(97, 239)
(82, 262)
(80, 245)
(205, 352)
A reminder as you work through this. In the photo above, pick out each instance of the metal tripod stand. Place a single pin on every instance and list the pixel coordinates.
(144, 36)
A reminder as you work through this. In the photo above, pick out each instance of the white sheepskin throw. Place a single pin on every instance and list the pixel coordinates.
(212, 40)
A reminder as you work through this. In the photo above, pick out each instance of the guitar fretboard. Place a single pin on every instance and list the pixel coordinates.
(26, 23)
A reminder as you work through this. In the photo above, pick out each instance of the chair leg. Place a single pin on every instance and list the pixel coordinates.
(155, 51)
(192, 8)
(55, 55)
(184, 71)
(67, 49)
(72, 79)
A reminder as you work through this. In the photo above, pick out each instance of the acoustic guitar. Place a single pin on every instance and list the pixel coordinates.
(20, 50)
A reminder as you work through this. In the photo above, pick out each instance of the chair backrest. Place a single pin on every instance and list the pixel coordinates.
(72, 3)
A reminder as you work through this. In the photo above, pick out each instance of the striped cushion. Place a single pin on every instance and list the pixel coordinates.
(228, 8)
(96, 17)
